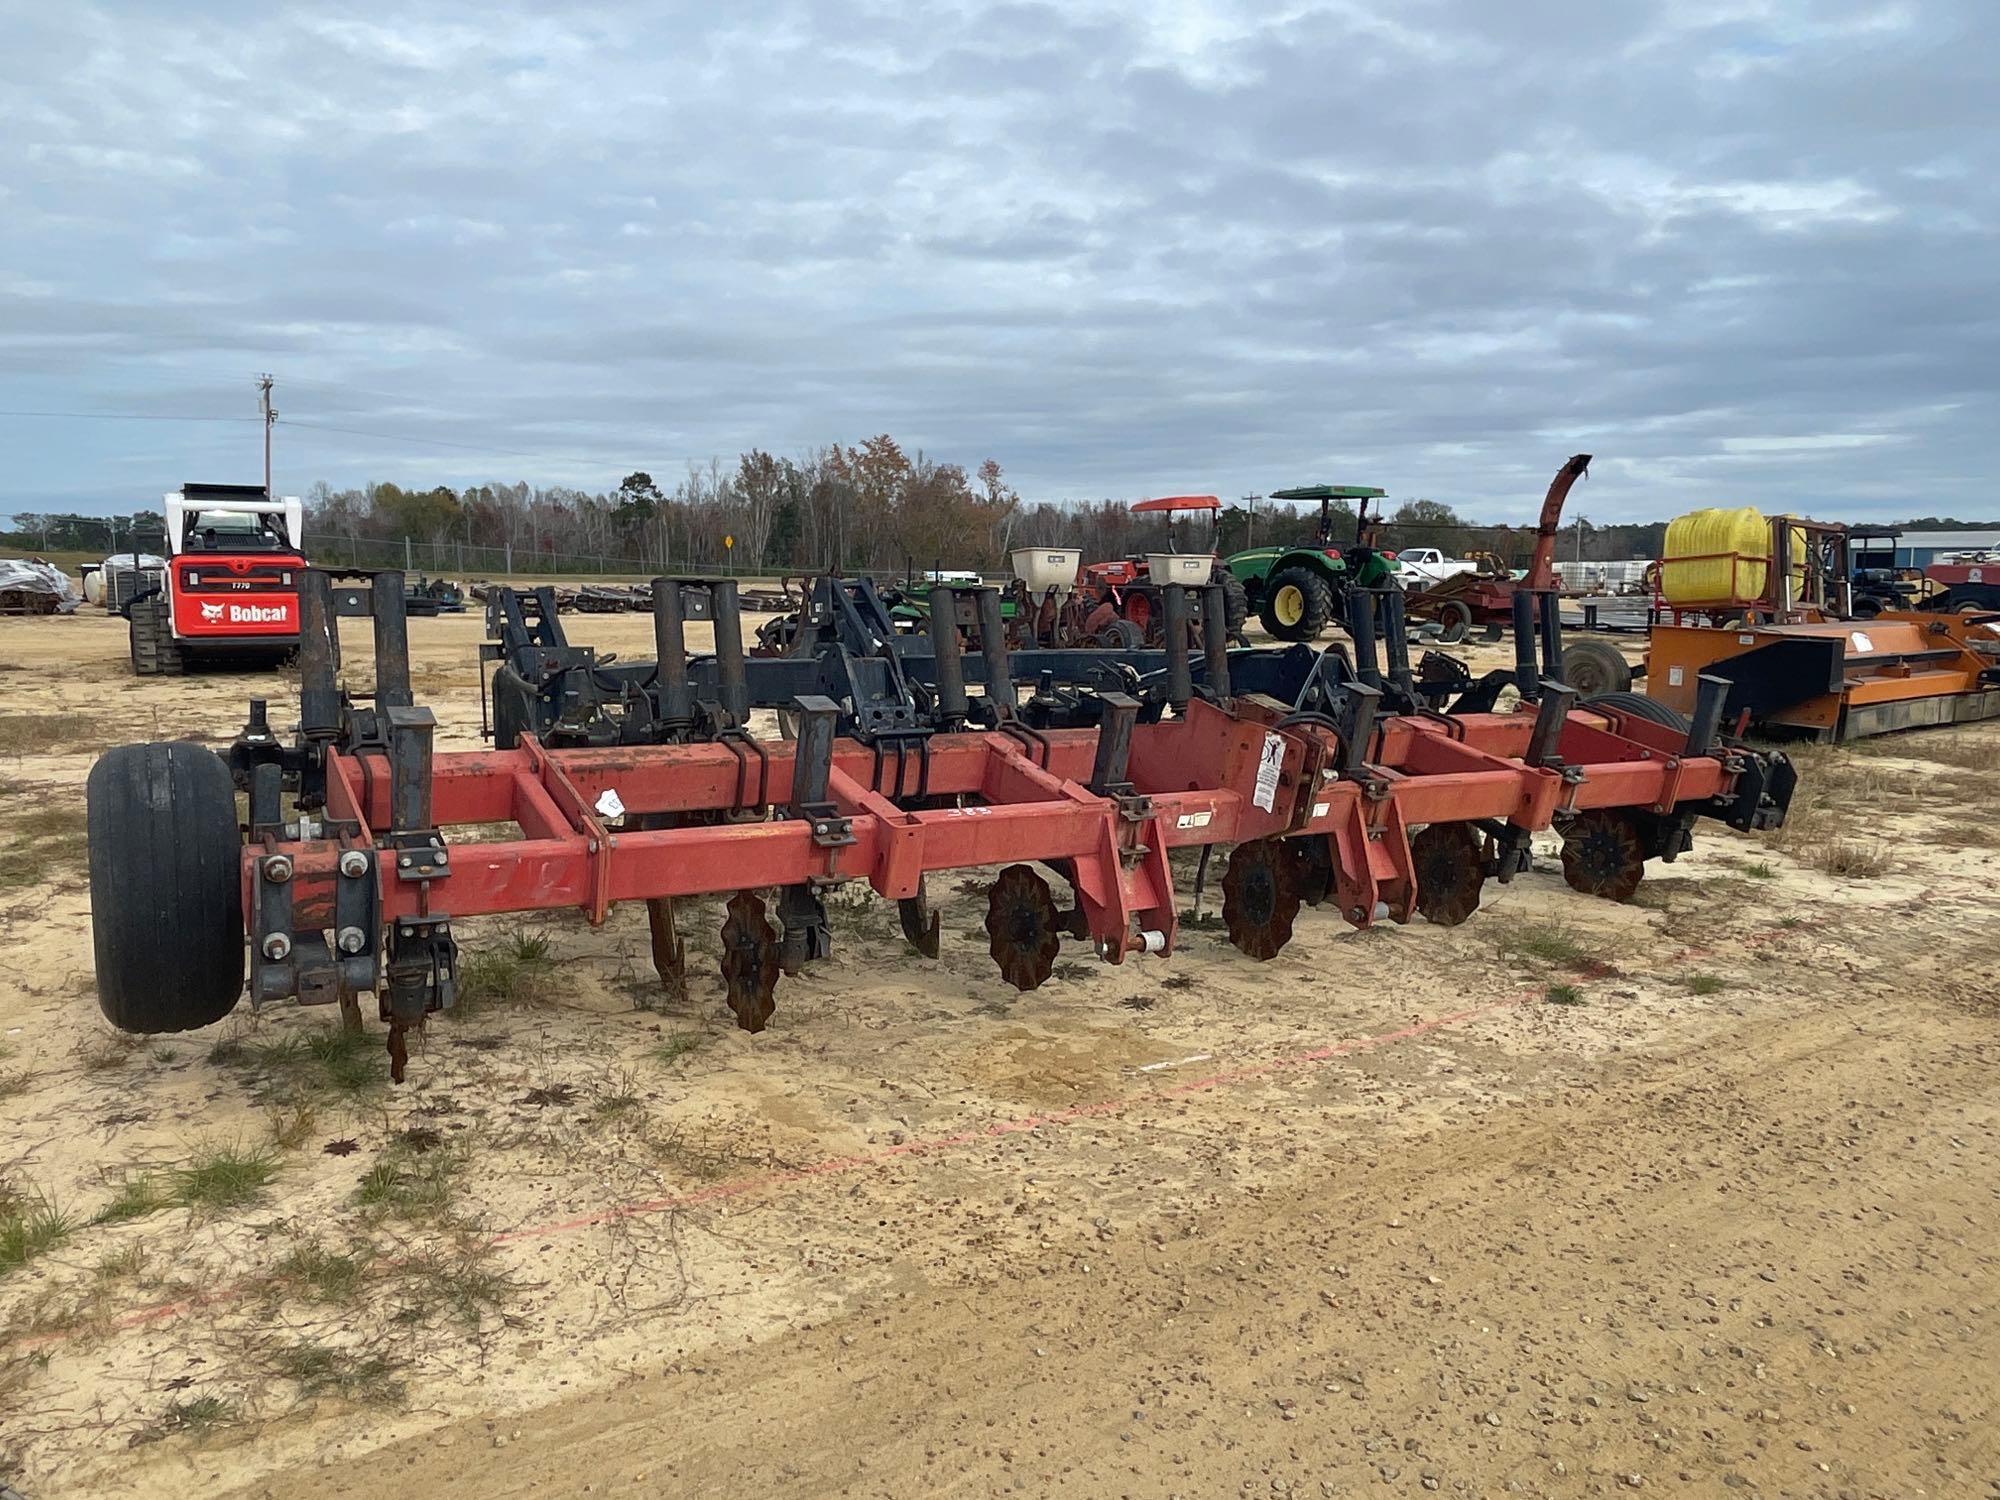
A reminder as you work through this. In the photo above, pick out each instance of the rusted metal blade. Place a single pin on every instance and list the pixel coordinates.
(1312, 866)
(1022, 926)
(1603, 854)
(1450, 869)
(669, 955)
(749, 960)
(399, 1052)
(1260, 897)
(920, 921)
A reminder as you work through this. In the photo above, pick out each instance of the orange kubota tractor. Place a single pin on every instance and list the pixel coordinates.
(1117, 604)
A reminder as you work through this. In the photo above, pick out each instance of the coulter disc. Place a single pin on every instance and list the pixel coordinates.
(1312, 866)
(749, 960)
(1260, 897)
(1450, 869)
(1024, 930)
(1603, 855)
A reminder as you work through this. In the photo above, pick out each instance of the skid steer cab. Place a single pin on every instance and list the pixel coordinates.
(230, 589)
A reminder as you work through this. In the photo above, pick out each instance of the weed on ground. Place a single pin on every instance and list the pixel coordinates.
(519, 970)
(223, 1176)
(30, 1225)
(292, 1070)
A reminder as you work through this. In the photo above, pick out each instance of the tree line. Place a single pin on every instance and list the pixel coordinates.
(871, 507)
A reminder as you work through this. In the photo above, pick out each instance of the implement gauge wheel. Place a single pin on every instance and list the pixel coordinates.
(166, 902)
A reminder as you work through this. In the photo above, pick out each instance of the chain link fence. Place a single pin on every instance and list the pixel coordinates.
(463, 560)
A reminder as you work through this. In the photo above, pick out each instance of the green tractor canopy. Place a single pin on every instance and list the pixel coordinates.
(1298, 591)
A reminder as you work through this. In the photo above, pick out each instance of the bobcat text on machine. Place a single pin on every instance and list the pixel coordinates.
(231, 584)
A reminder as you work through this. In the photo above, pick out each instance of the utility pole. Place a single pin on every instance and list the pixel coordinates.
(264, 383)
(1250, 528)
(1579, 538)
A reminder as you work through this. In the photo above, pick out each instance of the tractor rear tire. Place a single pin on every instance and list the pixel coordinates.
(1298, 605)
(1639, 706)
(1594, 668)
(155, 652)
(166, 903)
(1455, 618)
(1235, 600)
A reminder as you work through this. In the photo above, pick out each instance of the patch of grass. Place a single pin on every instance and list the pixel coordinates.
(45, 846)
(107, 1051)
(1563, 994)
(39, 734)
(319, 1370)
(198, 1416)
(1789, 923)
(411, 1182)
(616, 1097)
(519, 971)
(681, 1044)
(700, 1153)
(1178, 982)
(1547, 945)
(223, 1176)
(136, 1198)
(292, 1125)
(456, 1284)
(1760, 871)
(1706, 984)
(293, 1069)
(118, 1265)
(321, 1275)
(1849, 858)
(30, 1226)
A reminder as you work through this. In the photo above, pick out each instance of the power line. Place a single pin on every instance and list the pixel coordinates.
(124, 416)
(572, 458)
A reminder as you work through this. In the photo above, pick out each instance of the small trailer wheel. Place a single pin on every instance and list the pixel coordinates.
(1455, 615)
(1594, 667)
(166, 904)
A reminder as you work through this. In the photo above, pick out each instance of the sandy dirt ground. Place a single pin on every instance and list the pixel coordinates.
(1697, 1193)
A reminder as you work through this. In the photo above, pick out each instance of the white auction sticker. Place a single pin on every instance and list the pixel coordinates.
(1269, 763)
(609, 805)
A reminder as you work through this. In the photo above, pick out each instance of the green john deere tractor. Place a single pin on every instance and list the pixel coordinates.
(1298, 591)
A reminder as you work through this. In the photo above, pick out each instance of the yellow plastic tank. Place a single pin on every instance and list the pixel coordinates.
(1716, 556)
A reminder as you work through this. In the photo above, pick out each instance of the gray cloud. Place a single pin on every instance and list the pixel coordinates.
(1742, 249)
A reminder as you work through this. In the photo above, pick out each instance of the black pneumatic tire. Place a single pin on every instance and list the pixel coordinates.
(1455, 616)
(1315, 601)
(155, 652)
(1235, 600)
(1594, 668)
(1639, 706)
(166, 910)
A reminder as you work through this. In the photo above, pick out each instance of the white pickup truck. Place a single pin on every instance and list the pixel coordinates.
(1421, 567)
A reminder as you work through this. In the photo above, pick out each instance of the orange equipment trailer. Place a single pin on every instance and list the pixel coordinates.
(1781, 630)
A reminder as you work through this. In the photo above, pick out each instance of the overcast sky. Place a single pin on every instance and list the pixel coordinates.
(1742, 250)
